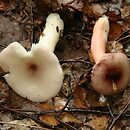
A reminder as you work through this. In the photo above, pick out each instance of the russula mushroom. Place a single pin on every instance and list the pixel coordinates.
(35, 74)
(111, 73)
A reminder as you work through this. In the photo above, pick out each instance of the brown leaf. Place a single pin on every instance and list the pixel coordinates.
(97, 122)
(67, 117)
(93, 99)
(115, 30)
(80, 97)
(73, 4)
(46, 106)
(49, 119)
(125, 11)
(4, 5)
(113, 16)
(98, 9)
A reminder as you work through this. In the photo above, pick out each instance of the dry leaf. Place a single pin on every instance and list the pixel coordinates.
(97, 122)
(125, 11)
(72, 4)
(67, 118)
(79, 97)
(46, 106)
(49, 119)
(25, 124)
(115, 30)
(4, 5)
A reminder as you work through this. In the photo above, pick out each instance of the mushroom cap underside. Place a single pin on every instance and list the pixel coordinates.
(35, 75)
(111, 74)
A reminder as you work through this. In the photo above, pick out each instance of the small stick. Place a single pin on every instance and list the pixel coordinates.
(114, 120)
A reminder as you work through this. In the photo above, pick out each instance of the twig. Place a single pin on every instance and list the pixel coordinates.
(33, 117)
(60, 112)
(66, 124)
(122, 35)
(72, 110)
(114, 120)
(63, 109)
(110, 111)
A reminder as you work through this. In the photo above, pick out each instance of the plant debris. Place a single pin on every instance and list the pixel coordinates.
(77, 105)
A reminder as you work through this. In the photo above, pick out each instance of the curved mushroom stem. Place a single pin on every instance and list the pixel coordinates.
(111, 72)
(51, 34)
(99, 38)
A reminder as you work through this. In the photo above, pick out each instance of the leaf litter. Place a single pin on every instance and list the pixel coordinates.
(77, 106)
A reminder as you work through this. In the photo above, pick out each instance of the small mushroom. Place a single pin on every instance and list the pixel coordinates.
(111, 73)
(35, 74)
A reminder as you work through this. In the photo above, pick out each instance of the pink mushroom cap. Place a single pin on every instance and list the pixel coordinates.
(111, 75)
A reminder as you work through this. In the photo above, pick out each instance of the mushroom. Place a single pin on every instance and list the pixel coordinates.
(111, 73)
(35, 74)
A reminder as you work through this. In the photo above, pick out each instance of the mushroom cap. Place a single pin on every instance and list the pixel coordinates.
(35, 75)
(111, 75)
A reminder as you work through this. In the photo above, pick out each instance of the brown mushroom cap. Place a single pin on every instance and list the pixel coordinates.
(111, 75)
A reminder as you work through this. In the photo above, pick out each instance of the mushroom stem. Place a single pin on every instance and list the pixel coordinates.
(111, 73)
(51, 34)
(99, 38)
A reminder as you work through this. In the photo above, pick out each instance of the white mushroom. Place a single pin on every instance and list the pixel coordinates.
(36, 74)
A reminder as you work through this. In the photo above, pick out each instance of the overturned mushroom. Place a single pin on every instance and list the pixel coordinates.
(36, 74)
(111, 73)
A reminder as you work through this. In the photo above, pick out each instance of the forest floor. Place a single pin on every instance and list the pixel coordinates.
(77, 106)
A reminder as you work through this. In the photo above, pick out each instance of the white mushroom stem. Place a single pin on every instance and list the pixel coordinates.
(111, 73)
(53, 29)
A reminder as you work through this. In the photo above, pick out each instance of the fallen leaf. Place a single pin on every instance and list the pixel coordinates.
(69, 118)
(46, 106)
(125, 11)
(49, 119)
(72, 4)
(79, 97)
(93, 98)
(25, 124)
(4, 5)
(115, 30)
(97, 122)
